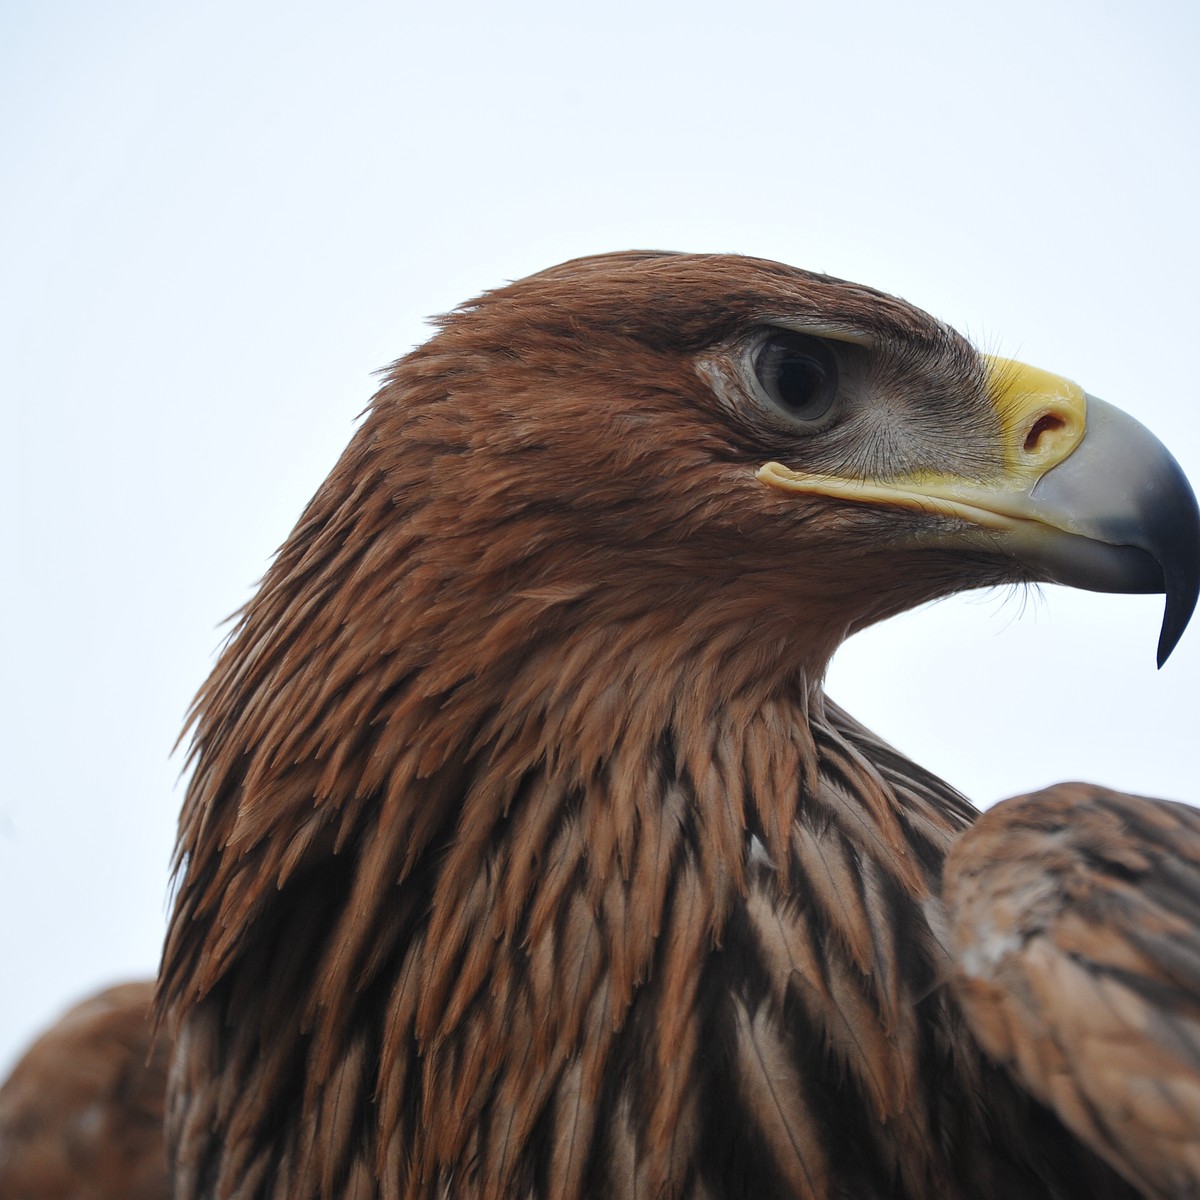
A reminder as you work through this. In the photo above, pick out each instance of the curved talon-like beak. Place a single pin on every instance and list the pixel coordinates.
(1088, 497)
(1130, 517)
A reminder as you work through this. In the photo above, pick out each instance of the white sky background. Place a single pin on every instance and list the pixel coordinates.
(217, 219)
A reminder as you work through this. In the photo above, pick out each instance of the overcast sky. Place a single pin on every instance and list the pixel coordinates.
(218, 219)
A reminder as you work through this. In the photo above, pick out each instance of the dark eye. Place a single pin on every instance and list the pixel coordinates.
(798, 374)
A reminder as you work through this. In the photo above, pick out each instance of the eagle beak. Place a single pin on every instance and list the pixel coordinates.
(1088, 497)
(1120, 516)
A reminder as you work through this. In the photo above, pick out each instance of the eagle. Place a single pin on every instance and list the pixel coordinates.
(81, 1114)
(524, 854)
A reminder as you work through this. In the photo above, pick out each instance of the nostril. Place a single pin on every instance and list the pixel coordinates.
(1046, 423)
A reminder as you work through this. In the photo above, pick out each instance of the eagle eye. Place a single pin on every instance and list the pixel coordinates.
(799, 375)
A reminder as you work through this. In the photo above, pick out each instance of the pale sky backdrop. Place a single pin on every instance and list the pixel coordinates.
(218, 219)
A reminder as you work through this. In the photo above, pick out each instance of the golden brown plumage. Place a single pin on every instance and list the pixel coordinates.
(81, 1114)
(524, 855)
(1075, 915)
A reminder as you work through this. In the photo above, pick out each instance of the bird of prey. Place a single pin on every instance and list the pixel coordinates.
(1075, 922)
(81, 1115)
(525, 856)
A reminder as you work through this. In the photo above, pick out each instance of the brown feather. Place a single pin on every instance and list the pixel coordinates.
(81, 1114)
(1076, 913)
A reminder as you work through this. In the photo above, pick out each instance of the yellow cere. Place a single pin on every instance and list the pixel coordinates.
(1043, 415)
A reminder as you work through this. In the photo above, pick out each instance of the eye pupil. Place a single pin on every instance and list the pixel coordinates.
(798, 374)
(797, 379)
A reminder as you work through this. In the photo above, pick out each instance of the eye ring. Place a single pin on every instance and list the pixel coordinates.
(798, 377)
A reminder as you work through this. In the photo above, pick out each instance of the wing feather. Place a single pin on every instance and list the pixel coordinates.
(1074, 919)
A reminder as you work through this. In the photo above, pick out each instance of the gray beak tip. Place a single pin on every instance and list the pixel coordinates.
(1182, 587)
